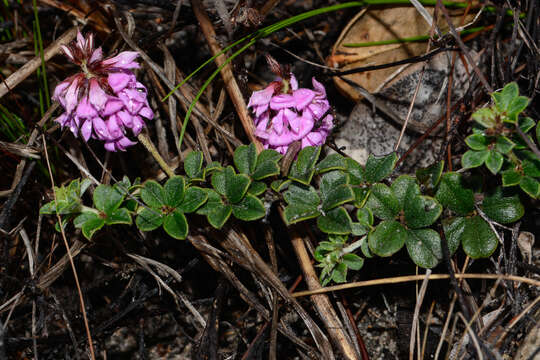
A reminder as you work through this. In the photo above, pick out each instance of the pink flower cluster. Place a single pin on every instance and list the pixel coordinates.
(285, 113)
(105, 98)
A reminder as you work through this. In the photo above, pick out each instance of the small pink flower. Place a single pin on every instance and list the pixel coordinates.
(282, 118)
(105, 98)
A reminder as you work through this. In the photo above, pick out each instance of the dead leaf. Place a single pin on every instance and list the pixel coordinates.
(380, 24)
(525, 243)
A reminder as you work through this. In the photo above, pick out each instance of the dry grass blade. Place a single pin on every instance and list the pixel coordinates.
(410, 278)
(416, 319)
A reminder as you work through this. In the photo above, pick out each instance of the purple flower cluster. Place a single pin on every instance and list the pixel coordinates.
(285, 113)
(105, 98)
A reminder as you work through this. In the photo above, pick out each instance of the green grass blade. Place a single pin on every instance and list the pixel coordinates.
(42, 56)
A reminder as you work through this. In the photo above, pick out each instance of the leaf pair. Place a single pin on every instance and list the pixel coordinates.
(107, 202)
(166, 206)
(68, 198)
(230, 195)
(405, 214)
(472, 231)
(304, 202)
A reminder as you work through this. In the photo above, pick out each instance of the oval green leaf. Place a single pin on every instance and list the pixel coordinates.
(387, 238)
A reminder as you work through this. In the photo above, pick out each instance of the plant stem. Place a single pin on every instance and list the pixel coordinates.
(154, 152)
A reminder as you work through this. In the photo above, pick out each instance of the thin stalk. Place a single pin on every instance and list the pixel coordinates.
(155, 154)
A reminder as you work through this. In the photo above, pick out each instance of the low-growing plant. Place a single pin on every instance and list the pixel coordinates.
(358, 208)
(501, 141)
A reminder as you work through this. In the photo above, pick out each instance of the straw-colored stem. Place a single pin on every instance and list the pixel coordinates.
(154, 152)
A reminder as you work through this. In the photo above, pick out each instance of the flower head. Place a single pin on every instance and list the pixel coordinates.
(285, 113)
(105, 98)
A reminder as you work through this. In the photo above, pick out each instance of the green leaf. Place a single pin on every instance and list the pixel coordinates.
(511, 177)
(485, 117)
(90, 226)
(382, 202)
(152, 194)
(303, 195)
(193, 199)
(219, 182)
(245, 158)
(257, 188)
(477, 141)
(265, 170)
(193, 165)
(530, 186)
(280, 185)
(353, 261)
(431, 175)
(501, 209)
(358, 229)
(175, 224)
(295, 213)
(48, 209)
(365, 217)
(472, 158)
(405, 187)
(504, 145)
(268, 155)
(79, 221)
(421, 211)
(107, 198)
(119, 216)
(173, 191)
(331, 162)
(249, 209)
(334, 189)
(336, 221)
(360, 195)
(453, 195)
(339, 274)
(303, 168)
(424, 247)
(213, 166)
(303, 203)
(526, 124)
(516, 107)
(504, 98)
(453, 231)
(477, 238)
(215, 210)
(379, 168)
(85, 184)
(148, 219)
(387, 238)
(364, 246)
(531, 167)
(233, 186)
(356, 171)
(494, 161)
